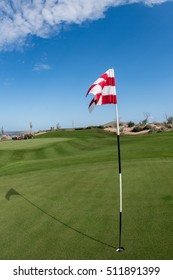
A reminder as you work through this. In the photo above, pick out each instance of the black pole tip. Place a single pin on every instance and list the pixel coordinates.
(120, 249)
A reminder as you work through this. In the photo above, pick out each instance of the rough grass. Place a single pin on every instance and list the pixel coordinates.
(62, 193)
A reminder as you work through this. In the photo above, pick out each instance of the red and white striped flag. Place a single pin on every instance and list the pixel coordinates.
(104, 90)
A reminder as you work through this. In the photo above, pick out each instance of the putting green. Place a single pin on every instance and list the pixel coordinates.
(59, 196)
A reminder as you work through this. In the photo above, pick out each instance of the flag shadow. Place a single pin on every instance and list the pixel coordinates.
(12, 192)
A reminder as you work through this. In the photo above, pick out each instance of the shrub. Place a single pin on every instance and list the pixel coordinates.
(130, 124)
(147, 126)
(100, 126)
(137, 128)
(168, 125)
(170, 120)
(121, 129)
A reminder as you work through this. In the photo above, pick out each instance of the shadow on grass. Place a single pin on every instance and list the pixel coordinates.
(12, 192)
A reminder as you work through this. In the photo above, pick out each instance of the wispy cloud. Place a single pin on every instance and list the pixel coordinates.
(38, 67)
(21, 19)
(8, 81)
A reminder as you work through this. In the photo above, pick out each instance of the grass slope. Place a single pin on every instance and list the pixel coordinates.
(62, 196)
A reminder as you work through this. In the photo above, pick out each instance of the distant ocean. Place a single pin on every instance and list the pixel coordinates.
(14, 133)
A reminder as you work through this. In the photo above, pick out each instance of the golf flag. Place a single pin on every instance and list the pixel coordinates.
(104, 90)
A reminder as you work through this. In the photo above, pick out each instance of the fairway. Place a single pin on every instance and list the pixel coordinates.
(29, 144)
(59, 196)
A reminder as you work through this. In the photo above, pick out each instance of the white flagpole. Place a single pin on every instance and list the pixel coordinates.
(120, 248)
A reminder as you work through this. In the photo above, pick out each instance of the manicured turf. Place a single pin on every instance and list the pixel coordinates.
(59, 196)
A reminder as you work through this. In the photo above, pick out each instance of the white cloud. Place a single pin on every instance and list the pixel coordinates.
(38, 67)
(20, 18)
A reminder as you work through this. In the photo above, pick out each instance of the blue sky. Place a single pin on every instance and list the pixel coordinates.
(47, 64)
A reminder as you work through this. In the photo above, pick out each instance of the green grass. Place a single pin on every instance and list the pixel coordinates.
(67, 205)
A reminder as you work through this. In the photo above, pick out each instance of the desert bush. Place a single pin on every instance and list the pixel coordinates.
(137, 128)
(121, 129)
(79, 128)
(147, 126)
(170, 120)
(168, 125)
(130, 124)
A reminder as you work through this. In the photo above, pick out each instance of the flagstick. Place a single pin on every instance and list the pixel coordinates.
(120, 248)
